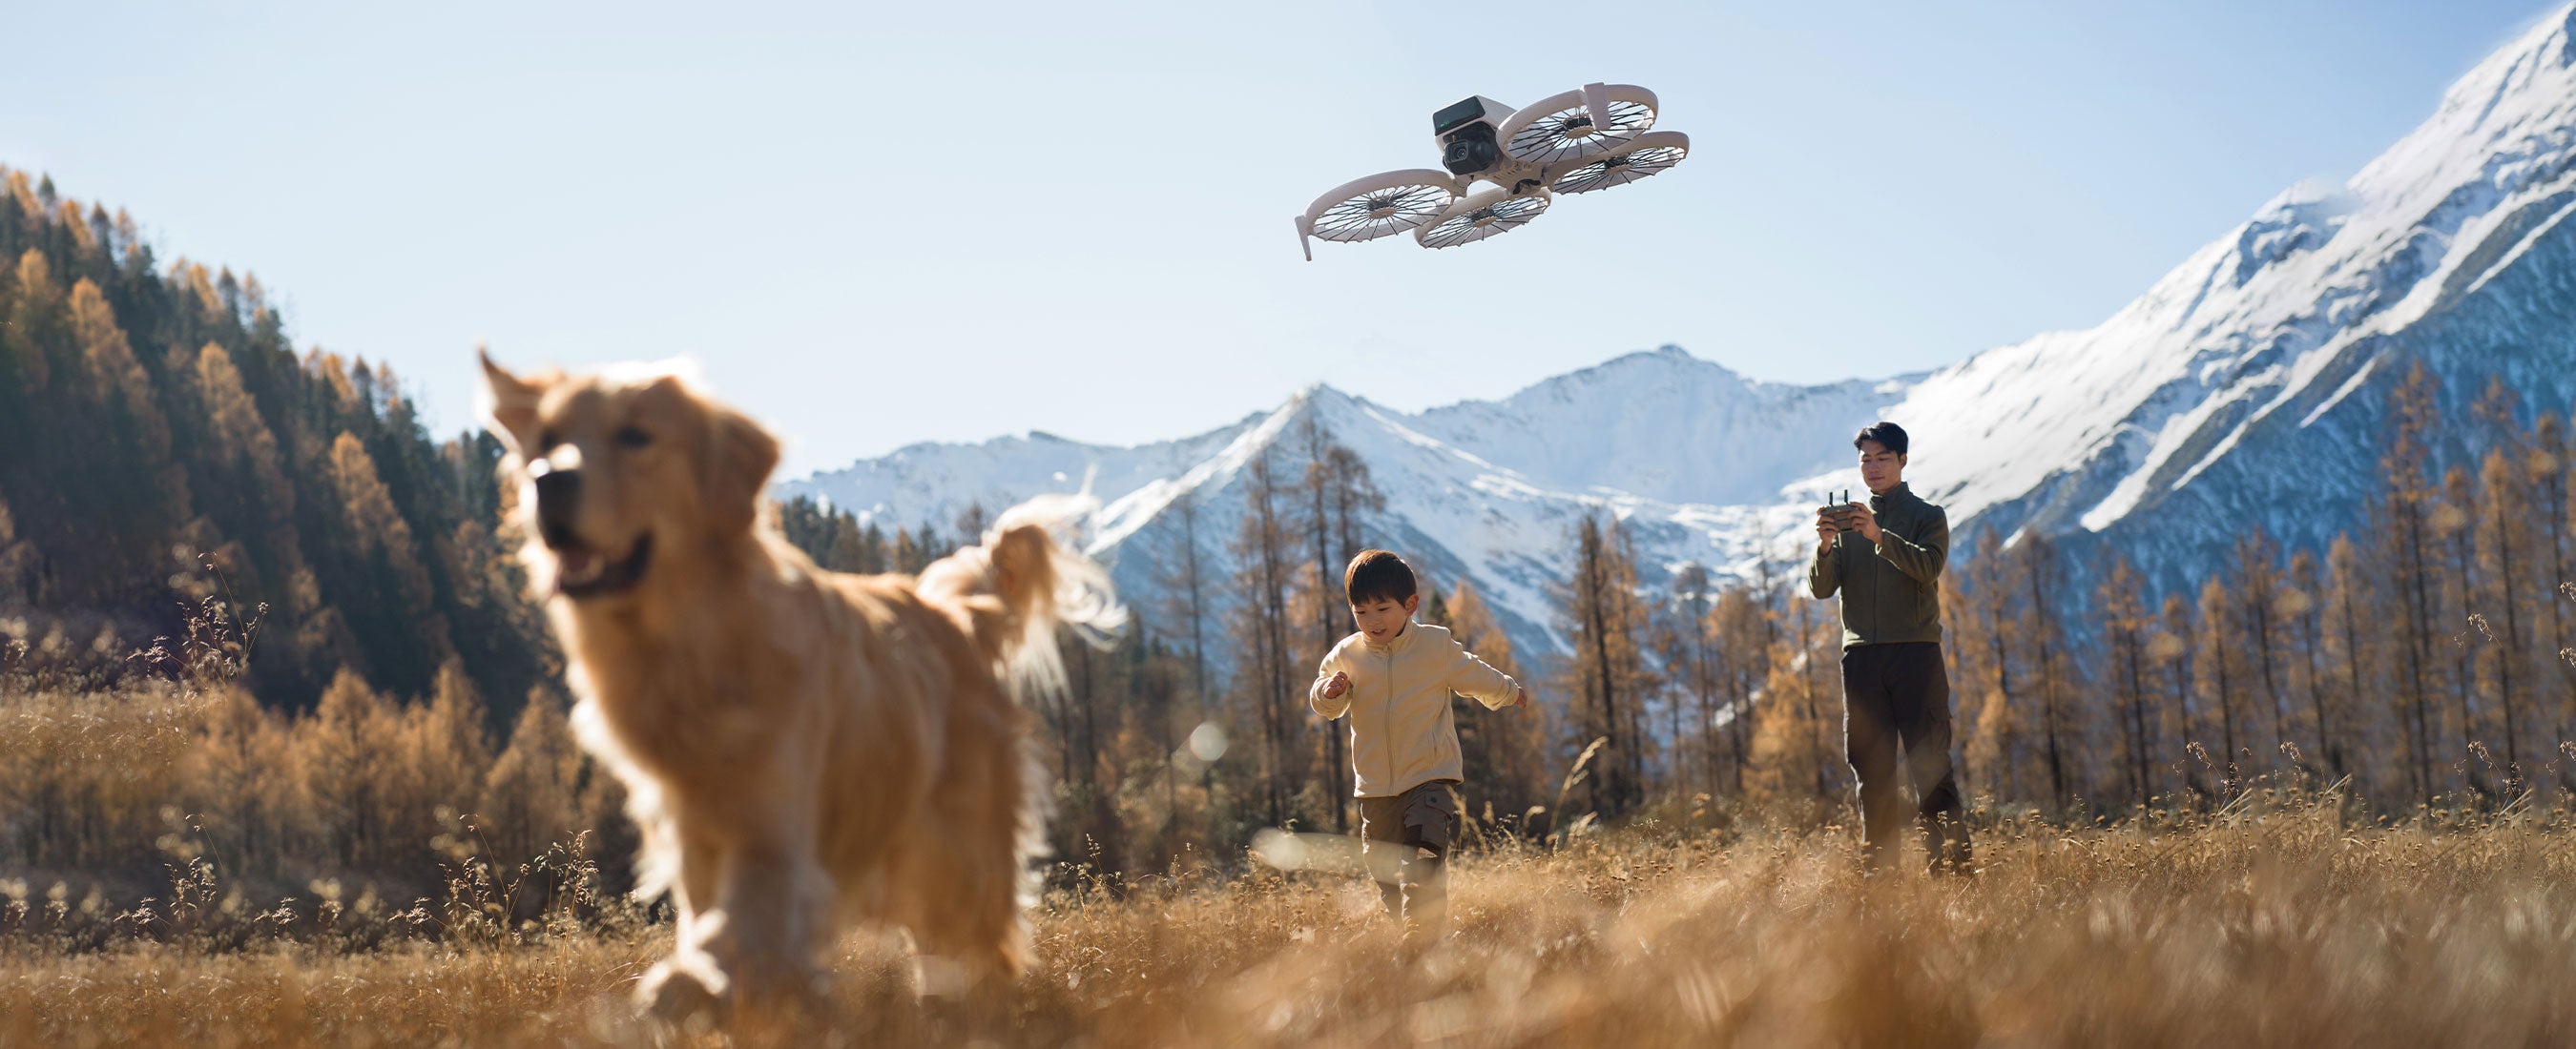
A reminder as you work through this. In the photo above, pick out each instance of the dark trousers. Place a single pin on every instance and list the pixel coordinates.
(1405, 839)
(1896, 701)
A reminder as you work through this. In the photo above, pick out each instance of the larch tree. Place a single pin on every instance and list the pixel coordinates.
(1738, 624)
(2410, 549)
(1606, 678)
(1505, 750)
(2256, 612)
(531, 795)
(2126, 631)
(1265, 555)
(2301, 606)
(2546, 467)
(2060, 722)
(2176, 648)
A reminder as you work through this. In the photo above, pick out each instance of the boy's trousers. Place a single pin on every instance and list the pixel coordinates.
(1417, 827)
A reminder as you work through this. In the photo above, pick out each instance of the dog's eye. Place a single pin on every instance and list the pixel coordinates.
(547, 440)
(631, 437)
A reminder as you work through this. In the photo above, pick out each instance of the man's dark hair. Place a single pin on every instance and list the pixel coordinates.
(1377, 575)
(1888, 435)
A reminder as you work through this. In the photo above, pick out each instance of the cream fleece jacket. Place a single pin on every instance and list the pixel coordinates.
(1402, 735)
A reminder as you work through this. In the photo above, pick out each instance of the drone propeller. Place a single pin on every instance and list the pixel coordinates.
(1652, 153)
(1482, 214)
(1384, 203)
(1577, 124)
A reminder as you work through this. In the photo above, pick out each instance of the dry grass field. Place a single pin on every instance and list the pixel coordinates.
(2272, 924)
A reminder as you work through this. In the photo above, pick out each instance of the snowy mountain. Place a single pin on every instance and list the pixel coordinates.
(1488, 489)
(2248, 385)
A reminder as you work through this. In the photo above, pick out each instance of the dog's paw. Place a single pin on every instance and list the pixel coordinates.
(679, 989)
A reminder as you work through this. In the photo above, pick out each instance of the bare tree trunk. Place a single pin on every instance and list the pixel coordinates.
(2417, 627)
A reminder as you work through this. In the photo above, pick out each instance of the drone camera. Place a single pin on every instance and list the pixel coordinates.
(1470, 150)
(1466, 134)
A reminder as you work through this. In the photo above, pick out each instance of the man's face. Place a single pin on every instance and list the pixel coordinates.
(1383, 617)
(1880, 469)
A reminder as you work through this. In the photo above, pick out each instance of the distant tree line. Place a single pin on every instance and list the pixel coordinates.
(154, 419)
(2423, 655)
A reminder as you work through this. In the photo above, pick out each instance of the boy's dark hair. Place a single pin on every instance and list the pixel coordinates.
(1377, 575)
(1888, 435)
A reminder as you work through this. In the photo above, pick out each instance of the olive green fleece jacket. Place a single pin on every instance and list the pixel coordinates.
(1892, 588)
(1402, 734)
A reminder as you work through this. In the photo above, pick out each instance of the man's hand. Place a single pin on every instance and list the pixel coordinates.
(1520, 701)
(1340, 683)
(1865, 522)
(1824, 533)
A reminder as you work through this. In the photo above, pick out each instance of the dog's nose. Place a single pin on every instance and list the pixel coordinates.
(558, 492)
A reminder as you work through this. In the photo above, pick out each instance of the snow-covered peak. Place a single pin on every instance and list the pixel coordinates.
(1667, 426)
(2492, 123)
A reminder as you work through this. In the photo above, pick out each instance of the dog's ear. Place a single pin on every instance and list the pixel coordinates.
(508, 403)
(740, 455)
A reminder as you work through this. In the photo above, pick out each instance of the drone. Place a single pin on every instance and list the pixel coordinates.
(1576, 142)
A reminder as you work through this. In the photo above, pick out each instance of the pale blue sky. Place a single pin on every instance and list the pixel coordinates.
(877, 225)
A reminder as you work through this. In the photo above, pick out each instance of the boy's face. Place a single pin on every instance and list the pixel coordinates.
(1381, 618)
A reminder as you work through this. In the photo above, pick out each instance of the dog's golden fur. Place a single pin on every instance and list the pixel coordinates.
(804, 750)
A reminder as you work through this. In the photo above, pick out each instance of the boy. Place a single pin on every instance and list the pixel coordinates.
(1394, 678)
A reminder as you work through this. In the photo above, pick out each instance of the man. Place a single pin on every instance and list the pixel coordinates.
(1885, 558)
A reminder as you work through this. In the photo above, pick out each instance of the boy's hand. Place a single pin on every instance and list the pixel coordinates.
(1521, 700)
(1340, 683)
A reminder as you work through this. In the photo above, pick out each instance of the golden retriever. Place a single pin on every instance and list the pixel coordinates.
(803, 750)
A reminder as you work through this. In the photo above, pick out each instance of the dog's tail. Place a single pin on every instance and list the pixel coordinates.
(1012, 593)
(1022, 583)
